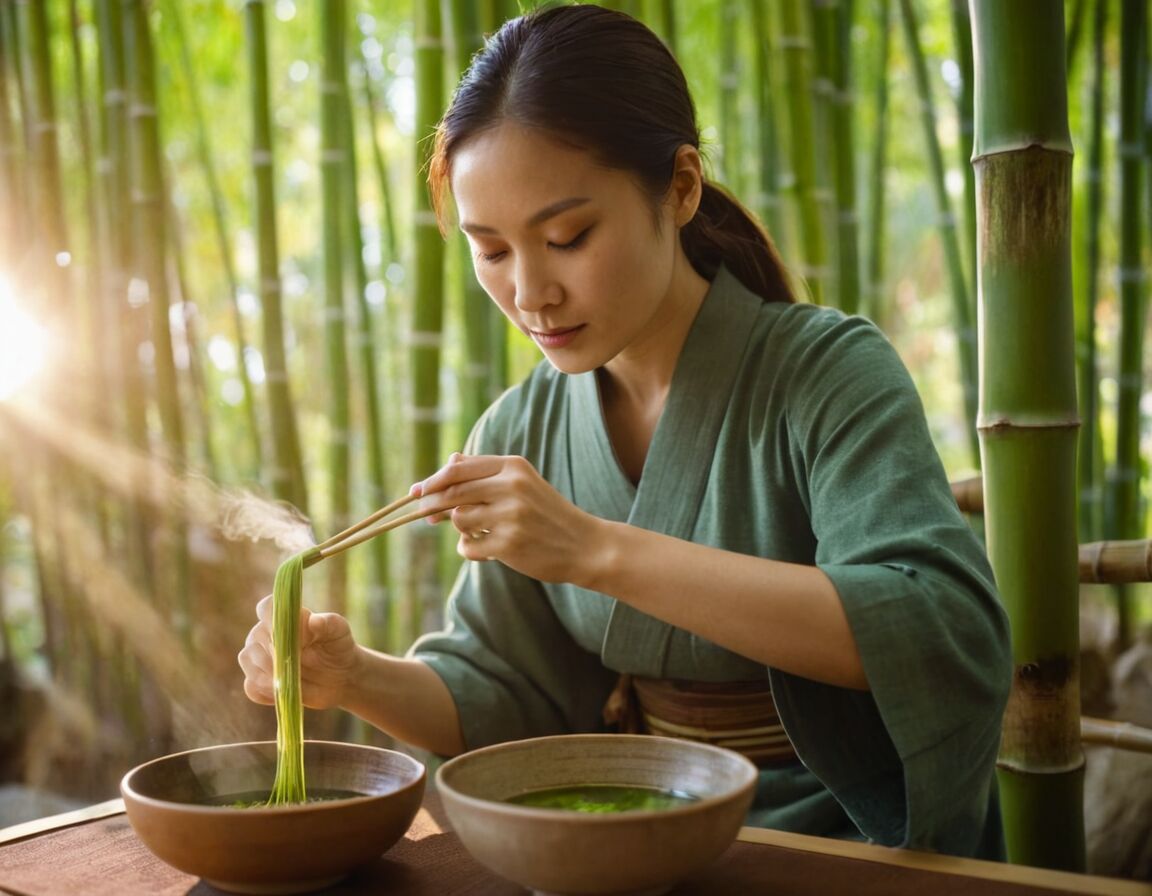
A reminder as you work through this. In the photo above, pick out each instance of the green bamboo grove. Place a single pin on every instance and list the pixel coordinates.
(216, 211)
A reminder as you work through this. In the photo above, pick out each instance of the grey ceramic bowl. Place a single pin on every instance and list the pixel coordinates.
(559, 851)
(284, 849)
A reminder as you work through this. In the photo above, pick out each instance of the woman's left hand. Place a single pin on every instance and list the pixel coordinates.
(505, 510)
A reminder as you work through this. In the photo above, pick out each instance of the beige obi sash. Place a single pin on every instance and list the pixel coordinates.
(739, 715)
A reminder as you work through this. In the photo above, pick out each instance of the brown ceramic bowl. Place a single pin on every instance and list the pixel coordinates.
(285, 849)
(562, 851)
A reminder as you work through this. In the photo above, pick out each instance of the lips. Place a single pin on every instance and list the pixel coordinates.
(557, 338)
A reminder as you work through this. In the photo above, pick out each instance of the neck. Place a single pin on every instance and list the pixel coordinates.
(640, 375)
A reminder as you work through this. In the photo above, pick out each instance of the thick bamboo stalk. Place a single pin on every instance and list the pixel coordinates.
(424, 595)
(1028, 416)
(1125, 475)
(287, 473)
(1088, 281)
(795, 46)
(333, 159)
(962, 315)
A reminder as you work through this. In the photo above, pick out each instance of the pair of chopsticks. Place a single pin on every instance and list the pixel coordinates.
(365, 529)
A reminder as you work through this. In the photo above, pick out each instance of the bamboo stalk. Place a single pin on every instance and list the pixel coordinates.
(1091, 450)
(874, 304)
(962, 40)
(962, 316)
(1028, 415)
(333, 159)
(424, 594)
(476, 376)
(174, 10)
(150, 270)
(287, 473)
(729, 116)
(768, 202)
(375, 473)
(1125, 476)
(795, 45)
(12, 204)
(843, 146)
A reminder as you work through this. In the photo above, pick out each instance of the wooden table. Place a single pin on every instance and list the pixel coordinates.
(94, 852)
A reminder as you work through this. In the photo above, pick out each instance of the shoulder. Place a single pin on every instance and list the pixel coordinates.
(811, 350)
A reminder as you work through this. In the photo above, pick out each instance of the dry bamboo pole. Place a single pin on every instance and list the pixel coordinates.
(333, 159)
(287, 473)
(424, 596)
(962, 306)
(251, 465)
(874, 302)
(1028, 416)
(1120, 735)
(795, 45)
(1087, 291)
(1125, 519)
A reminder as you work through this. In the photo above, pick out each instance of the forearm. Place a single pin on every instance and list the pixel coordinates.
(408, 700)
(785, 615)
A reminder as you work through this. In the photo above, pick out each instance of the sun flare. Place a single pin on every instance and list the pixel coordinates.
(23, 345)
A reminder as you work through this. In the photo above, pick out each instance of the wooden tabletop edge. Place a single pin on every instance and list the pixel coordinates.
(28, 829)
(1071, 882)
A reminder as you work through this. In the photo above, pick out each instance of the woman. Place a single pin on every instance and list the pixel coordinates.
(711, 510)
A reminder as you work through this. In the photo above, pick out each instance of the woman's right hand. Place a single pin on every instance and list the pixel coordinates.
(328, 658)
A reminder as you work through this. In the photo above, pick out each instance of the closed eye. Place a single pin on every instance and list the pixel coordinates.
(573, 243)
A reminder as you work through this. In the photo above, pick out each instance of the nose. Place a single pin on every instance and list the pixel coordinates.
(535, 287)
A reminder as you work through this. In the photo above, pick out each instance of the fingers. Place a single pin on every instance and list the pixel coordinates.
(461, 468)
(256, 662)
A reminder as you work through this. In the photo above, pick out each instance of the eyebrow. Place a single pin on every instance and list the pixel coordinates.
(549, 211)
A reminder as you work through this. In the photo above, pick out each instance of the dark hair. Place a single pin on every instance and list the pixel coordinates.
(604, 82)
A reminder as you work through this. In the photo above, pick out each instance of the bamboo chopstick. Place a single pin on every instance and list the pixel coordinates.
(364, 530)
(326, 552)
(366, 522)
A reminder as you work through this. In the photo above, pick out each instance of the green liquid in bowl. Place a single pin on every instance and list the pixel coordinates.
(603, 798)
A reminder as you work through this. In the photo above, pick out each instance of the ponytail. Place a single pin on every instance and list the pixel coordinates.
(724, 232)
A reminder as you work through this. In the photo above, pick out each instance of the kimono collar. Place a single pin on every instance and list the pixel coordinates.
(679, 460)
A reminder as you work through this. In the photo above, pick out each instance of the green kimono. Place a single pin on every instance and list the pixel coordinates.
(790, 432)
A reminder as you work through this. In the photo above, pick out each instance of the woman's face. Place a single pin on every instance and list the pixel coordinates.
(569, 250)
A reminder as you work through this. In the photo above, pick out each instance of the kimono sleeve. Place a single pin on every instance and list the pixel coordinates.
(512, 667)
(913, 760)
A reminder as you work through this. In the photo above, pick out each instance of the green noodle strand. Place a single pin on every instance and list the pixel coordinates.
(288, 786)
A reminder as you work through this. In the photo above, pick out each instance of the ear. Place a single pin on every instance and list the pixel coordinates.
(686, 186)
